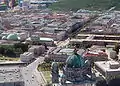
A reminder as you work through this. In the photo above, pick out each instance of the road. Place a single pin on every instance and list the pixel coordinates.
(30, 74)
(66, 42)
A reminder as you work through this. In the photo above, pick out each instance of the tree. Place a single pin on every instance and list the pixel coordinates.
(10, 53)
(116, 48)
(101, 83)
(105, 44)
(47, 60)
(45, 46)
(114, 82)
(61, 65)
(2, 50)
(88, 46)
(24, 47)
(48, 84)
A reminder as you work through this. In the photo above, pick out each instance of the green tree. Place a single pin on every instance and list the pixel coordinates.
(47, 60)
(24, 47)
(2, 50)
(48, 84)
(116, 48)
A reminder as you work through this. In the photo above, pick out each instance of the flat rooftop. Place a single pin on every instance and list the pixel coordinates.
(67, 51)
(11, 62)
(10, 74)
(92, 40)
(105, 66)
(98, 35)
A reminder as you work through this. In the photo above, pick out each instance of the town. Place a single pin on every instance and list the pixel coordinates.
(42, 47)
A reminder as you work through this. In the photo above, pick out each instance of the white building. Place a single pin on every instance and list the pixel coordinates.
(108, 69)
(119, 55)
(111, 53)
(27, 56)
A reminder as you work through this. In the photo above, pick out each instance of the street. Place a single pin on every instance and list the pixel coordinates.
(30, 74)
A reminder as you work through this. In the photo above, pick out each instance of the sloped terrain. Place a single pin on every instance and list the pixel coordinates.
(86, 4)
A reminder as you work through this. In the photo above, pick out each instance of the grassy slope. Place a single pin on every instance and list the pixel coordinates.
(86, 4)
(8, 59)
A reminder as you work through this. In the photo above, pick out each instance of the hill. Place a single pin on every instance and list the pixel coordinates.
(86, 4)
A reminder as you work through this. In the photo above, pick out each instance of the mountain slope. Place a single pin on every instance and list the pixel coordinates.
(86, 4)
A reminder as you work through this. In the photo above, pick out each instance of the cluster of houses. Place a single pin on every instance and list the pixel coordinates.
(106, 24)
(42, 26)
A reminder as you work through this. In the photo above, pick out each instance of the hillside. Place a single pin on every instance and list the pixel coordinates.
(86, 4)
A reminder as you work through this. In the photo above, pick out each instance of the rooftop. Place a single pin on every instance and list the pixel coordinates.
(10, 74)
(105, 66)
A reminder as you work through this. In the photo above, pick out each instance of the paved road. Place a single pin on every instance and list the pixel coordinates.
(30, 74)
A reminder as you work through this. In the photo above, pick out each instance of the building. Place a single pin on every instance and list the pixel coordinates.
(111, 53)
(37, 50)
(60, 54)
(96, 53)
(42, 40)
(119, 55)
(13, 37)
(55, 72)
(27, 57)
(76, 63)
(11, 76)
(20, 2)
(109, 69)
(75, 72)
(92, 39)
(3, 7)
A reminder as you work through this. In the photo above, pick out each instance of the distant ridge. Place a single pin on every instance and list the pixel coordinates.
(86, 4)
